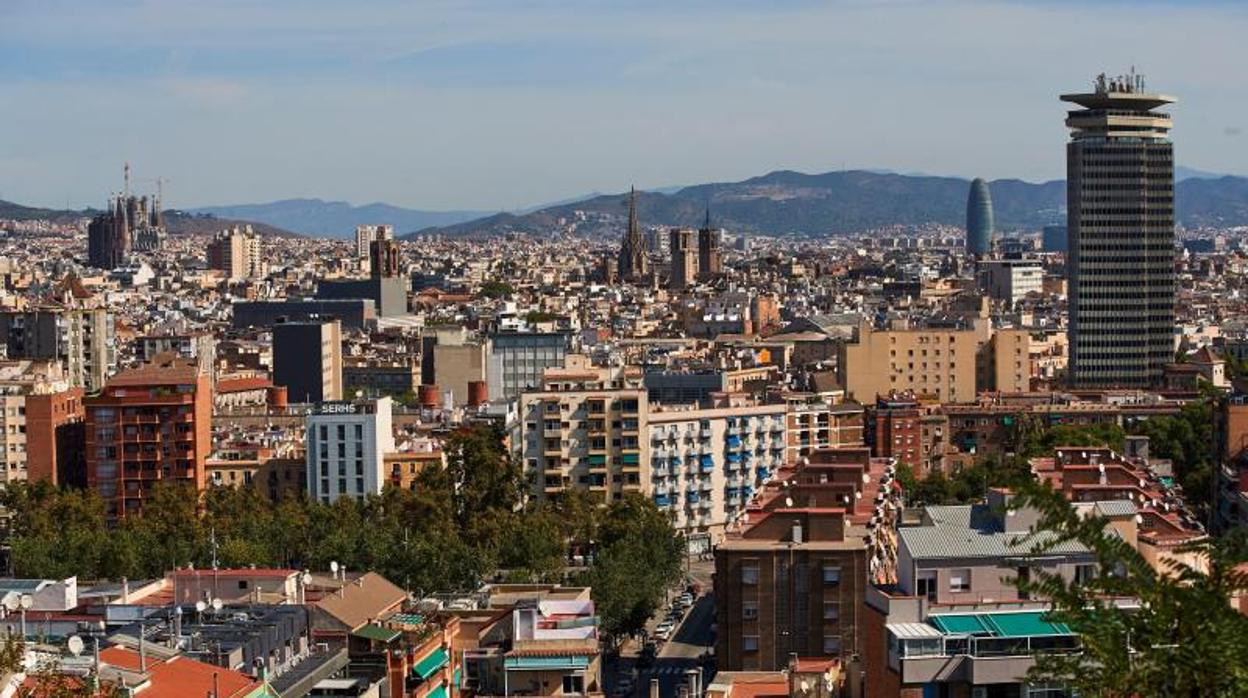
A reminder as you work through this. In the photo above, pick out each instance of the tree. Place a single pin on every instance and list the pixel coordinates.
(637, 559)
(1184, 639)
(496, 289)
(1187, 440)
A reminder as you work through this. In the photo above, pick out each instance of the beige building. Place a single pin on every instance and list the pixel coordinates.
(583, 430)
(236, 251)
(952, 365)
(456, 366)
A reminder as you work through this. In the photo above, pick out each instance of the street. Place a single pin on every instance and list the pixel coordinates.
(691, 643)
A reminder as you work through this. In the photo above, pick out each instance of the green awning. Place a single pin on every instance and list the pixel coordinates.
(1030, 624)
(1024, 624)
(377, 633)
(548, 662)
(430, 665)
(439, 692)
(455, 680)
(631, 458)
(960, 625)
(597, 459)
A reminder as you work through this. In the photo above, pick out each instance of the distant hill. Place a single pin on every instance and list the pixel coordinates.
(336, 218)
(841, 202)
(178, 222)
(792, 202)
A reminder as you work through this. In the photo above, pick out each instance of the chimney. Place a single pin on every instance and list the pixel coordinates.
(125, 589)
(142, 651)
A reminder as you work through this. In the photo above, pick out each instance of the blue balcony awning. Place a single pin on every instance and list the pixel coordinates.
(734, 442)
(707, 459)
(734, 457)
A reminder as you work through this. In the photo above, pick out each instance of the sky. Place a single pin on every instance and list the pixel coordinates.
(504, 104)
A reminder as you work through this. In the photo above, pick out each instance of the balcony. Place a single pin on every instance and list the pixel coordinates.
(979, 648)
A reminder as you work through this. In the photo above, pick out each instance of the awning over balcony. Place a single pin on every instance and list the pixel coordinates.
(1023, 624)
(377, 633)
(546, 662)
(913, 631)
(430, 665)
(439, 692)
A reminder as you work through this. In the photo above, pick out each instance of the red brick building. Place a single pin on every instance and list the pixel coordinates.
(55, 436)
(150, 424)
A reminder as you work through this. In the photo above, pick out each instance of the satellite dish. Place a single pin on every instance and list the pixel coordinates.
(10, 602)
(74, 644)
(27, 601)
(200, 606)
(788, 502)
(306, 578)
(217, 604)
(333, 567)
(177, 610)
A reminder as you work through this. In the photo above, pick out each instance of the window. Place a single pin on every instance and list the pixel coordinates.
(831, 574)
(1085, 573)
(831, 610)
(242, 584)
(574, 684)
(749, 610)
(749, 643)
(960, 580)
(831, 644)
(749, 574)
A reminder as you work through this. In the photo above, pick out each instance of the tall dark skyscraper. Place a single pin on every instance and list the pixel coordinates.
(979, 219)
(1120, 223)
(634, 264)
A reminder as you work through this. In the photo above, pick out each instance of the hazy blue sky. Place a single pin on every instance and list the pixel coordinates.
(489, 105)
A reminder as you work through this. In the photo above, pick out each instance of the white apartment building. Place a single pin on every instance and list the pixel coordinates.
(706, 463)
(347, 444)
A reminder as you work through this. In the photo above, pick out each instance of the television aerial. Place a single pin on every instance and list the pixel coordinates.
(74, 644)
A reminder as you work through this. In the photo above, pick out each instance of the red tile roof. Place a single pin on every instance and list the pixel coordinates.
(180, 676)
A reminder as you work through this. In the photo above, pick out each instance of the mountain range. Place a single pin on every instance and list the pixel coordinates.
(336, 218)
(777, 203)
(848, 201)
(178, 222)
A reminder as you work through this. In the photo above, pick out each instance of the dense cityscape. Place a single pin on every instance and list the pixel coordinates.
(642, 443)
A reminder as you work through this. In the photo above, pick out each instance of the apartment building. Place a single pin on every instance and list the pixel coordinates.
(583, 430)
(1142, 505)
(706, 462)
(347, 444)
(950, 364)
(307, 360)
(952, 623)
(236, 251)
(1010, 280)
(40, 423)
(531, 640)
(149, 425)
(790, 578)
(82, 339)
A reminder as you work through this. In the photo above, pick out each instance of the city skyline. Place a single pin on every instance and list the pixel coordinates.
(489, 106)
